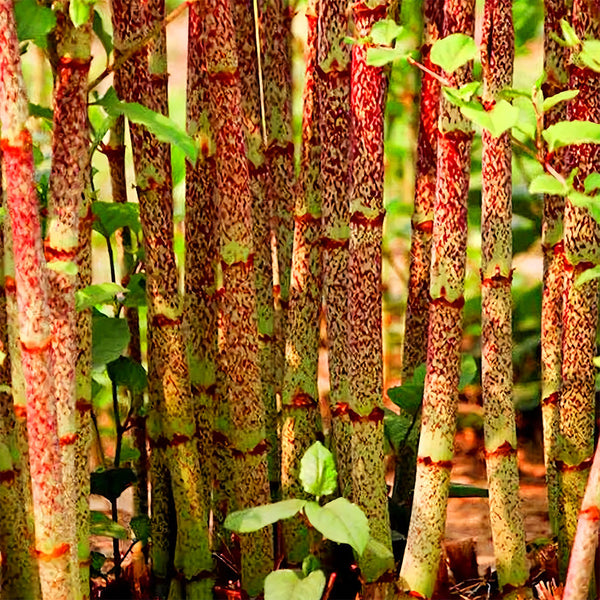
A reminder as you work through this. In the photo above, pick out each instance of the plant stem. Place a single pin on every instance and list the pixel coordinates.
(428, 518)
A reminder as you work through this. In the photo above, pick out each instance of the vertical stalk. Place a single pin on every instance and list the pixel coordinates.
(175, 417)
(555, 66)
(334, 58)
(428, 518)
(417, 304)
(300, 420)
(580, 302)
(51, 547)
(276, 19)
(241, 425)
(581, 563)
(261, 188)
(497, 55)
(68, 178)
(201, 235)
(367, 102)
(18, 572)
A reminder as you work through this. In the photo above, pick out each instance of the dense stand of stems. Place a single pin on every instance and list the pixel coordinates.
(428, 518)
(240, 422)
(555, 66)
(51, 546)
(496, 276)
(300, 419)
(580, 302)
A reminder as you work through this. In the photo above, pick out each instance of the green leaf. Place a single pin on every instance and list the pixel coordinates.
(309, 564)
(379, 57)
(137, 291)
(66, 267)
(590, 54)
(592, 203)
(376, 560)
(565, 133)
(111, 483)
(127, 372)
(80, 11)
(99, 293)
(100, 524)
(468, 370)
(111, 216)
(97, 562)
(453, 51)
(384, 32)
(501, 118)
(41, 112)
(466, 92)
(110, 338)
(588, 275)
(257, 517)
(569, 34)
(560, 97)
(140, 525)
(548, 184)
(34, 22)
(286, 584)
(397, 427)
(165, 129)
(128, 453)
(591, 183)
(409, 395)
(464, 490)
(341, 522)
(317, 471)
(101, 33)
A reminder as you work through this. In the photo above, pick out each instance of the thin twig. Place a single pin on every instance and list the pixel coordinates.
(415, 63)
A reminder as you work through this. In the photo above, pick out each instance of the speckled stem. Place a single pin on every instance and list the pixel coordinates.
(276, 35)
(18, 571)
(365, 407)
(555, 66)
(175, 417)
(580, 302)
(68, 178)
(115, 154)
(202, 235)
(581, 563)
(262, 189)
(428, 519)
(240, 426)
(334, 56)
(300, 418)
(51, 546)
(417, 305)
(497, 55)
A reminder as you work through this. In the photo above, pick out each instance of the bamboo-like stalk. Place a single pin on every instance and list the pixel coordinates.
(70, 162)
(555, 66)
(19, 576)
(262, 190)
(585, 543)
(334, 57)
(241, 424)
(51, 546)
(497, 55)
(417, 305)
(175, 417)
(580, 302)
(276, 19)
(428, 518)
(367, 101)
(300, 419)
